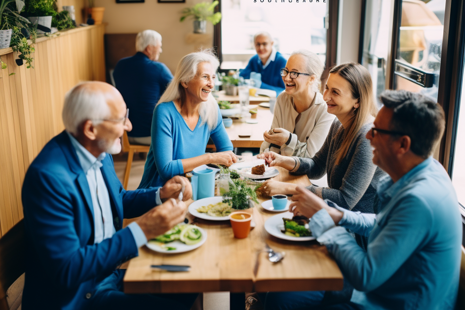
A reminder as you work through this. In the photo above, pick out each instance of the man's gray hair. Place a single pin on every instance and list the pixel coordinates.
(84, 103)
(185, 72)
(146, 38)
(263, 33)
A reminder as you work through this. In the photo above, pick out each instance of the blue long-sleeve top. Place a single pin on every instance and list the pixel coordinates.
(141, 82)
(173, 140)
(412, 258)
(271, 72)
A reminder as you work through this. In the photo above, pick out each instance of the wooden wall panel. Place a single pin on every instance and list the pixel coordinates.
(31, 101)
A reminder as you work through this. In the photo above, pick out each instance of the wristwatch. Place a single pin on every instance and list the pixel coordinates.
(289, 140)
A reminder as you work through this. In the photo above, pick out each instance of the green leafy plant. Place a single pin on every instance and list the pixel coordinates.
(40, 8)
(62, 21)
(3, 65)
(91, 3)
(20, 45)
(230, 80)
(239, 195)
(202, 11)
(232, 173)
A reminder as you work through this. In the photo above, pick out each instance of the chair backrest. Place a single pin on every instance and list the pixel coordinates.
(12, 260)
(126, 145)
(461, 297)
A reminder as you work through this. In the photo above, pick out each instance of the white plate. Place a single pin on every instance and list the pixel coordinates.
(268, 206)
(180, 246)
(264, 105)
(205, 202)
(235, 109)
(269, 173)
(275, 223)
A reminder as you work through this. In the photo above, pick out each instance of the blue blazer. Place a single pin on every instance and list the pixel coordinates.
(63, 265)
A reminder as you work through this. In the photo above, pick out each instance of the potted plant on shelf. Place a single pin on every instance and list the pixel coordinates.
(202, 12)
(40, 13)
(5, 30)
(95, 13)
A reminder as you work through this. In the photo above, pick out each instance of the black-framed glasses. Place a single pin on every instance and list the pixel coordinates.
(386, 132)
(292, 74)
(119, 120)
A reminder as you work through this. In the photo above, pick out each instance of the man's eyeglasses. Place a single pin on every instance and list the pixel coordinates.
(119, 120)
(292, 74)
(386, 132)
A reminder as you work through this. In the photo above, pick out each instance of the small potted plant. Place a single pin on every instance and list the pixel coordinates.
(230, 83)
(202, 12)
(5, 30)
(95, 12)
(253, 113)
(40, 13)
(240, 196)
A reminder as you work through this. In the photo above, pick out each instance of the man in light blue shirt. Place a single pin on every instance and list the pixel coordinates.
(409, 254)
(74, 206)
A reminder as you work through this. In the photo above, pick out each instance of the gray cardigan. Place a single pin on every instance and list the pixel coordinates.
(352, 183)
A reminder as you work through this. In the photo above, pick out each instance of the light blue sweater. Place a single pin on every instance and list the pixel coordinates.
(412, 259)
(173, 140)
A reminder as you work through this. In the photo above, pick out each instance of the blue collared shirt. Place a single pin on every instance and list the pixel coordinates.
(103, 218)
(412, 258)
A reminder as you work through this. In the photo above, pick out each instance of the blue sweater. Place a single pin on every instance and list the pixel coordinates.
(141, 81)
(412, 260)
(173, 140)
(271, 75)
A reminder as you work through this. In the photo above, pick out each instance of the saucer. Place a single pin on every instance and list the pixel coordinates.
(268, 206)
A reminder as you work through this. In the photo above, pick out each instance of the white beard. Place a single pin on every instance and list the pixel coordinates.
(115, 148)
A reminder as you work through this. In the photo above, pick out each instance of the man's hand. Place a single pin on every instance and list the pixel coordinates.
(306, 203)
(173, 187)
(162, 218)
(278, 137)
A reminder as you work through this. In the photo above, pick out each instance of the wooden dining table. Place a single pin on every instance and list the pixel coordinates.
(224, 263)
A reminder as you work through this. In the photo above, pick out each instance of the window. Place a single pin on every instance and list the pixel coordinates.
(458, 170)
(293, 25)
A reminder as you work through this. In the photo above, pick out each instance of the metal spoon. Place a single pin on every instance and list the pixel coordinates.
(274, 257)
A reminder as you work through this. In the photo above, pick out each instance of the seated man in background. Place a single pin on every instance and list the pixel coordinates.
(141, 79)
(74, 207)
(265, 67)
(411, 257)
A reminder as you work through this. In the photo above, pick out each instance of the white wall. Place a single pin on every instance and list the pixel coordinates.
(350, 15)
(161, 17)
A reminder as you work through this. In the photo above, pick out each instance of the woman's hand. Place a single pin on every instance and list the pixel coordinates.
(273, 159)
(306, 203)
(279, 136)
(224, 158)
(272, 187)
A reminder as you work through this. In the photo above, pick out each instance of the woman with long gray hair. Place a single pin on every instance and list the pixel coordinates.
(185, 117)
(300, 123)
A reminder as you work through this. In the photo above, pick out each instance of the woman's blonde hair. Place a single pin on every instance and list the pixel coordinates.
(313, 65)
(361, 87)
(185, 72)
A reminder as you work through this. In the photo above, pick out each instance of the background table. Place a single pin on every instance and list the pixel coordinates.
(252, 99)
(224, 263)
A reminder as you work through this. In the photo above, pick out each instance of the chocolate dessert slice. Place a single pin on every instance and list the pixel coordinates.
(258, 170)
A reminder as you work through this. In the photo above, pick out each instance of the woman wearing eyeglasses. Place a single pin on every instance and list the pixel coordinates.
(301, 122)
(346, 155)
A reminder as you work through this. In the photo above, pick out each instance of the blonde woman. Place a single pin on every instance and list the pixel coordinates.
(346, 155)
(185, 117)
(300, 123)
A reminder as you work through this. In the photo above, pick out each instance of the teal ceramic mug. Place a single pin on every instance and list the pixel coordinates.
(279, 202)
(203, 184)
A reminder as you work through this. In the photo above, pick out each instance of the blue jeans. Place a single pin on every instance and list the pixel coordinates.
(329, 300)
(109, 295)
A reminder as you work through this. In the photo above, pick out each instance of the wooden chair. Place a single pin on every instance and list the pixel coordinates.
(131, 149)
(461, 297)
(12, 260)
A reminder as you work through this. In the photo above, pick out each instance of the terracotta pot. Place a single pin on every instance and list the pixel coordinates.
(97, 14)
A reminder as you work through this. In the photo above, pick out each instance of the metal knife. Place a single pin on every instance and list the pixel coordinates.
(172, 268)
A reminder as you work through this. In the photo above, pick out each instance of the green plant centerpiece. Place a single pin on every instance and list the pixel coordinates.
(240, 195)
(230, 82)
(202, 12)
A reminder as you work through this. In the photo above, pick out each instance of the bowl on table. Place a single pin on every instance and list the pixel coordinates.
(227, 122)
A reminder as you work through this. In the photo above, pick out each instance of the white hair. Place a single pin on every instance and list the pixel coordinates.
(313, 65)
(146, 38)
(262, 33)
(84, 103)
(185, 72)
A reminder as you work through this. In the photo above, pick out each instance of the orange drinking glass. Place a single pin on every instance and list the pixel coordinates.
(240, 222)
